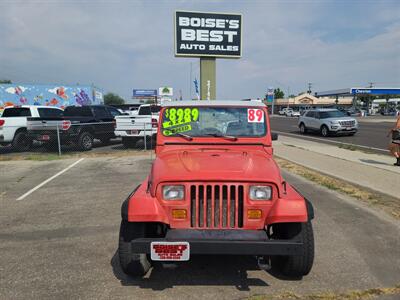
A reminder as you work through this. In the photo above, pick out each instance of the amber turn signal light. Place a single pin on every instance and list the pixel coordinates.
(254, 214)
(179, 213)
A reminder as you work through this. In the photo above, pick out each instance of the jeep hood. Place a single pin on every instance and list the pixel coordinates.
(215, 165)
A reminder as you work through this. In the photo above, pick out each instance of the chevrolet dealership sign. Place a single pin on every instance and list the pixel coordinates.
(208, 34)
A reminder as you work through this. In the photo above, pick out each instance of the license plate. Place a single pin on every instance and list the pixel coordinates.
(170, 251)
(45, 137)
(133, 131)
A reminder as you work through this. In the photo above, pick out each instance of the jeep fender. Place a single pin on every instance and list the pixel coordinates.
(140, 206)
(291, 208)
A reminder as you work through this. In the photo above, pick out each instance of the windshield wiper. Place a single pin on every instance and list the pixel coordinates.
(185, 136)
(229, 137)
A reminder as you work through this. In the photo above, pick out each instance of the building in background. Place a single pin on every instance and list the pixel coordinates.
(308, 100)
(49, 95)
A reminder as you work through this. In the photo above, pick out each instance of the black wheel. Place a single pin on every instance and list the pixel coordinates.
(132, 264)
(128, 142)
(303, 128)
(296, 265)
(85, 141)
(324, 131)
(21, 141)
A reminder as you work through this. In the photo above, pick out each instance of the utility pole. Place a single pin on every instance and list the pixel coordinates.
(208, 78)
(288, 94)
(309, 87)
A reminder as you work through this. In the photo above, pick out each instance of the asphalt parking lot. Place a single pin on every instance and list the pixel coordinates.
(60, 240)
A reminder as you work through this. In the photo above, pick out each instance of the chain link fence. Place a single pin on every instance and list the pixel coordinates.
(66, 137)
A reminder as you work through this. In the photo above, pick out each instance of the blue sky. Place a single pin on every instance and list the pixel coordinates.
(121, 45)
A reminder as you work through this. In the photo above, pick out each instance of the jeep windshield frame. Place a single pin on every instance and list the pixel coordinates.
(199, 122)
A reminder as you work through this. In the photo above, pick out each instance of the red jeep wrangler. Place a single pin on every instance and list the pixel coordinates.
(214, 188)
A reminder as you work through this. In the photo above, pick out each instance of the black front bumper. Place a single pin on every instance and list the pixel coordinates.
(229, 242)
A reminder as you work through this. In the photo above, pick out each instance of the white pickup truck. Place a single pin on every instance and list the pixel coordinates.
(13, 124)
(136, 126)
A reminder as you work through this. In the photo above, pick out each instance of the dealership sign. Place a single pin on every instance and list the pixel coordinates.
(270, 94)
(375, 91)
(144, 93)
(165, 91)
(208, 34)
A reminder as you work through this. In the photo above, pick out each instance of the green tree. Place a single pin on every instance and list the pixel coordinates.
(278, 94)
(113, 99)
(7, 81)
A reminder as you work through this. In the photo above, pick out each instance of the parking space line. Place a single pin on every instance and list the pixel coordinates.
(48, 180)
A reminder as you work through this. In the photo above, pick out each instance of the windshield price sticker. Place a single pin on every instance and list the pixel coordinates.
(255, 115)
(171, 251)
(179, 116)
(175, 130)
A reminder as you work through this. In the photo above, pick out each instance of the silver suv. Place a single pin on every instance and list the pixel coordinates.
(327, 121)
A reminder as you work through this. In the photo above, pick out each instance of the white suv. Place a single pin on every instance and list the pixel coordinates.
(327, 121)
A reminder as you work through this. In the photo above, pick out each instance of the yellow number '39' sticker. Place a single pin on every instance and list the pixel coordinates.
(180, 116)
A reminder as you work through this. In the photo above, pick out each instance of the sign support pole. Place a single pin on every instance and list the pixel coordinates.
(208, 78)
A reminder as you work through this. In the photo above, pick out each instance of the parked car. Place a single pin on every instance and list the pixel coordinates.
(327, 121)
(143, 122)
(354, 112)
(214, 188)
(79, 125)
(283, 111)
(292, 113)
(13, 124)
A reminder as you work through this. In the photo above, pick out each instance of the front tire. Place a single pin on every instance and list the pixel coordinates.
(131, 263)
(324, 131)
(296, 265)
(303, 128)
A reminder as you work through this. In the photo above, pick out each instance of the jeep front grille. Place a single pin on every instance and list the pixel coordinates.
(216, 206)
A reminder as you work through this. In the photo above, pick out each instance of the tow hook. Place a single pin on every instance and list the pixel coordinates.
(264, 263)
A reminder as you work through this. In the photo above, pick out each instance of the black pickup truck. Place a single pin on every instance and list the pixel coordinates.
(78, 125)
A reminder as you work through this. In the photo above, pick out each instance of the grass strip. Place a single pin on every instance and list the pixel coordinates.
(386, 203)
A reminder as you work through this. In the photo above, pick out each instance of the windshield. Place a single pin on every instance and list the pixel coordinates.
(331, 114)
(214, 121)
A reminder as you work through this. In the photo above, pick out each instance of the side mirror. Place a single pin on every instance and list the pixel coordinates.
(274, 136)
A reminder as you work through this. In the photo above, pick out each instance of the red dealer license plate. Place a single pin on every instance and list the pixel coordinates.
(170, 251)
